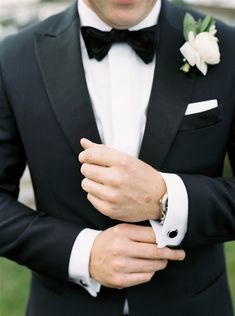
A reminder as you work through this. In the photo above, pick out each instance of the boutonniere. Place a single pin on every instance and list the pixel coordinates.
(201, 48)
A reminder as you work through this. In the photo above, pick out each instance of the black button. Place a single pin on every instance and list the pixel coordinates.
(83, 283)
(172, 233)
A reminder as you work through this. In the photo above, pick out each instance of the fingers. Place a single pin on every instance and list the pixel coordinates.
(136, 233)
(135, 273)
(86, 143)
(96, 173)
(132, 279)
(149, 266)
(99, 204)
(132, 265)
(152, 252)
(170, 254)
(96, 189)
(99, 154)
(143, 244)
(105, 207)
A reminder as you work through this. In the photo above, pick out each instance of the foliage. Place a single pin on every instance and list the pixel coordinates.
(14, 285)
(191, 25)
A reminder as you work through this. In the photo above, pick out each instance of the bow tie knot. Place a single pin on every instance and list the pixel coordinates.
(119, 36)
(98, 43)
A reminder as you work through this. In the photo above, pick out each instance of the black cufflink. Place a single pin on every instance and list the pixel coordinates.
(83, 283)
(172, 233)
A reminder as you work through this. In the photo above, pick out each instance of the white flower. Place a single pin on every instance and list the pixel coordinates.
(202, 49)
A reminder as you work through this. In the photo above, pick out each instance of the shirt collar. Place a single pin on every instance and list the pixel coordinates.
(89, 18)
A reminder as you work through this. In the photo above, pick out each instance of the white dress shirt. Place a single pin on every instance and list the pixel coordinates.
(120, 87)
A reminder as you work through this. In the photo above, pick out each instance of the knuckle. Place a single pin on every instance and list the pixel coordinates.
(148, 277)
(154, 266)
(114, 179)
(173, 255)
(106, 210)
(113, 197)
(123, 161)
(155, 252)
(89, 154)
(117, 180)
(118, 281)
(109, 178)
(112, 215)
(163, 264)
(120, 229)
(116, 229)
(118, 265)
(116, 247)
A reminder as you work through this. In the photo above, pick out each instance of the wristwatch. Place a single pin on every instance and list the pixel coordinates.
(163, 207)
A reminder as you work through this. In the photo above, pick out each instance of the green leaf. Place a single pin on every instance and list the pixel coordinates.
(207, 23)
(189, 18)
(199, 25)
(190, 25)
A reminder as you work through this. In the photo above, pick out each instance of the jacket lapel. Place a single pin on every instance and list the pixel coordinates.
(171, 91)
(64, 79)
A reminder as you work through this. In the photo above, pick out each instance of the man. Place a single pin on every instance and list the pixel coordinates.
(101, 210)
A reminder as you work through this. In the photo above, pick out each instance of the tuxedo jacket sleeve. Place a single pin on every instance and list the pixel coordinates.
(211, 210)
(40, 241)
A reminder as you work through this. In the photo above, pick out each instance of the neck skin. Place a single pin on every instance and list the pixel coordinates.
(116, 25)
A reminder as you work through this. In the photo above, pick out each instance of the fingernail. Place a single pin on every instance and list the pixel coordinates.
(80, 157)
(182, 255)
(85, 140)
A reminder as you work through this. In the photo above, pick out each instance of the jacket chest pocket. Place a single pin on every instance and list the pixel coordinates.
(202, 119)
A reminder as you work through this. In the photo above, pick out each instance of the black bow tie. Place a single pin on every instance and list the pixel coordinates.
(98, 43)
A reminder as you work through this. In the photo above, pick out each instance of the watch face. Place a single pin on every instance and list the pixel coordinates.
(166, 206)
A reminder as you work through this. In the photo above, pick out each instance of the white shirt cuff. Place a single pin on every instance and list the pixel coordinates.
(174, 228)
(79, 261)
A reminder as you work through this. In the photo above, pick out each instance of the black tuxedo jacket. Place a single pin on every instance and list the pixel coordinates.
(44, 111)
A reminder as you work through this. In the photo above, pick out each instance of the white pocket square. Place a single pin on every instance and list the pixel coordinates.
(203, 106)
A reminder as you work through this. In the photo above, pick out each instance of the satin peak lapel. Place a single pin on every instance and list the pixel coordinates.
(60, 61)
(171, 91)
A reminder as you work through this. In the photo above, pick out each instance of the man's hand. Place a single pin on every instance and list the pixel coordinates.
(119, 185)
(126, 255)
